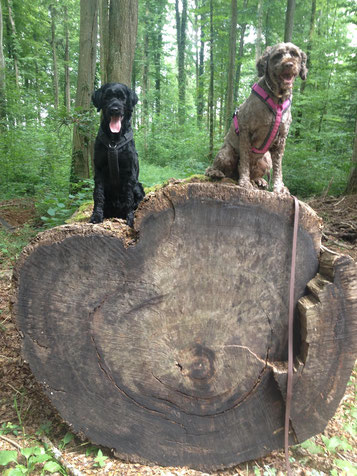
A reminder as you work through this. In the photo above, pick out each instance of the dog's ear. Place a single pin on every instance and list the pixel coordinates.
(97, 98)
(133, 97)
(303, 68)
(262, 62)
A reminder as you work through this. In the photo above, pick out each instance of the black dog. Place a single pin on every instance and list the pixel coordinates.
(117, 191)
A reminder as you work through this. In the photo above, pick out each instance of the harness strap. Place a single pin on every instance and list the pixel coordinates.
(113, 153)
(278, 111)
(289, 390)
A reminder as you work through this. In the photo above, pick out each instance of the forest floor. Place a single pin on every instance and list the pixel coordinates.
(27, 419)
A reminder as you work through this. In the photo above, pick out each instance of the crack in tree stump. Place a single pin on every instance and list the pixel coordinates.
(169, 344)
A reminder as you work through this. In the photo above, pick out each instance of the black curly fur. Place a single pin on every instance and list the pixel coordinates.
(115, 99)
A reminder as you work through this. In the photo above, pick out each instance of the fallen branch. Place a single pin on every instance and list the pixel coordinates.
(12, 442)
(60, 458)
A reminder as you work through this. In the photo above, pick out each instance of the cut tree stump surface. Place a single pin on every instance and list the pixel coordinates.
(168, 343)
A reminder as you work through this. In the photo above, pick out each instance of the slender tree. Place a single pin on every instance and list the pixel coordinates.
(181, 24)
(258, 40)
(200, 67)
(82, 146)
(232, 62)
(352, 182)
(13, 43)
(145, 79)
(2, 77)
(289, 20)
(53, 14)
(243, 27)
(67, 87)
(308, 62)
(211, 83)
(160, 7)
(104, 39)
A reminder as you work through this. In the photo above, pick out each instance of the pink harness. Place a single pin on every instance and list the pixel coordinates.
(277, 109)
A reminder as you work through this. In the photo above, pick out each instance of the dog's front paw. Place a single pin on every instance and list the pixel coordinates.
(96, 218)
(130, 219)
(245, 184)
(214, 174)
(281, 189)
(260, 183)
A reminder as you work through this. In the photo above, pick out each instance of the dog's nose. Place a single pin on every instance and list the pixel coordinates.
(114, 110)
(289, 64)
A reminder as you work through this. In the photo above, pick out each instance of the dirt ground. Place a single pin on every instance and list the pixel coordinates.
(23, 405)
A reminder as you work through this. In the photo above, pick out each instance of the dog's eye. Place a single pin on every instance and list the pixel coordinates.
(277, 56)
(294, 53)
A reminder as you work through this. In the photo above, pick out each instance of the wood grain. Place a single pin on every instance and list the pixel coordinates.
(167, 346)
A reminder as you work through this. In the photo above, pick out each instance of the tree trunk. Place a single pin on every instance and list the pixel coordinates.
(158, 44)
(13, 46)
(82, 144)
(54, 56)
(258, 41)
(123, 26)
(67, 87)
(240, 56)
(289, 21)
(104, 38)
(352, 182)
(145, 79)
(200, 73)
(211, 84)
(308, 64)
(2, 78)
(181, 21)
(168, 343)
(231, 67)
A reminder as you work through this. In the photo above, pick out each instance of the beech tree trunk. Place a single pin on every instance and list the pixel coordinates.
(168, 343)
(243, 27)
(258, 40)
(2, 78)
(82, 144)
(104, 38)
(123, 26)
(13, 42)
(289, 20)
(67, 86)
(54, 56)
(181, 23)
(231, 68)
(352, 181)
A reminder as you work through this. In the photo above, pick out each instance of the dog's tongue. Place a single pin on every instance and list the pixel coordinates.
(288, 79)
(115, 124)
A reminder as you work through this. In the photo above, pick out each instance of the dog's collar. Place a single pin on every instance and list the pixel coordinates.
(115, 145)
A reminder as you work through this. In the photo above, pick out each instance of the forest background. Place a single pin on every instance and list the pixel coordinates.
(187, 56)
(181, 73)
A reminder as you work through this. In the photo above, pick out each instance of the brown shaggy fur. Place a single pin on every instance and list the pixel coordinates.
(277, 69)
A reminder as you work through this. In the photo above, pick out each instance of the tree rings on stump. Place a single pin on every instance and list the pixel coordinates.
(169, 343)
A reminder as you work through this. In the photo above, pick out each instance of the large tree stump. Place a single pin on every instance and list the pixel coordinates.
(169, 344)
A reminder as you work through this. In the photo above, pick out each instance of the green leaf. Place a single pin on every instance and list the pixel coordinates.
(7, 457)
(350, 468)
(100, 458)
(68, 437)
(51, 212)
(52, 467)
(36, 459)
(18, 471)
(27, 452)
(312, 447)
